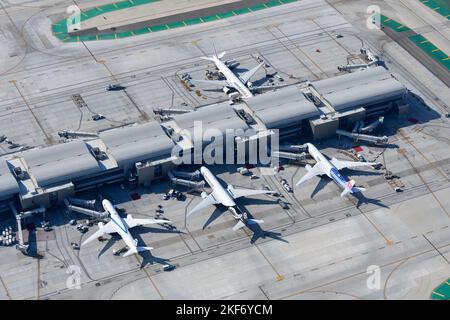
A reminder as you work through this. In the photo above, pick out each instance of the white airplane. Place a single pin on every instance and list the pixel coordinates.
(239, 82)
(331, 169)
(226, 197)
(121, 226)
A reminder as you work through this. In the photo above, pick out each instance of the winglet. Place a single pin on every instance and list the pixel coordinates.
(136, 250)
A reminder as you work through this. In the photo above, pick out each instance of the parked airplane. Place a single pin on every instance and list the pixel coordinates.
(238, 82)
(121, 226)
(331, 169)
(225, 197)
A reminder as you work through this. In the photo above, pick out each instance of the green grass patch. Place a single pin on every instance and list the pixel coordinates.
(225, 15)
(442, 292)
(430, 49)
(273, 3)
(241, 11)
(60, 31)
(394, 25)
(440, 6)
(158, 28)
(175, 25)
(190, 22)
(258, 7)
(209, 18)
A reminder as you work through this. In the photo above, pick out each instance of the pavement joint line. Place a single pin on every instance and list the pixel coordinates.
(279, 277)
(263, 292)
(276, 38)
(149, 277)
(422, 154)
(418, 173)
(388, 241)
(390, 275)
(38, 279)
(6, 289)
(359, 273)
(331, 37)
(427, 186)
(185, 225)
(440, 253)
(302, 51)
(47, 137)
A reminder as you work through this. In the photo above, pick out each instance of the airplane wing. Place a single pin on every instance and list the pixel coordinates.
(102, 230)
(248, 74)
(219, 83)
(312, 172)
(340, 164)
(132, 222)
(238, 193)
(206, 202)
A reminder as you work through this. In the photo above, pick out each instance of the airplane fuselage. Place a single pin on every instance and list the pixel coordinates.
(330, 170)
(220, 193)
(232, 79)
(122, 228)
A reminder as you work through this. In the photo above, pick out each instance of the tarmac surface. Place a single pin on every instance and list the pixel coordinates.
(321, 247)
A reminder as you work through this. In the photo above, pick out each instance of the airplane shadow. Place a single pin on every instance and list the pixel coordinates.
(353, 172)
(323, 182)
(259, 232)
(110, 242)
(147, 256)
(138, 231)
(260, 82)
(218, 211)
(239, 70)
(149, 259)
(144, 230)
(213, 90)
(362, 199)
(254, 201)
(32, 250)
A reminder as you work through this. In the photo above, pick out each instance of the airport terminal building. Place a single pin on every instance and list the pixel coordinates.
(142, 153)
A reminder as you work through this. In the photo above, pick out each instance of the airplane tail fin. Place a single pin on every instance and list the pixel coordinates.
(136, 250)
(220, 55)
(241, 224)
(207, 58)
(348, 188)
